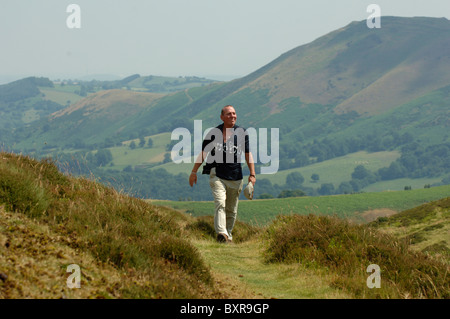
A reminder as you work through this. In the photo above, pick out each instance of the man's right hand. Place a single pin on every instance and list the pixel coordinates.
(192, 179)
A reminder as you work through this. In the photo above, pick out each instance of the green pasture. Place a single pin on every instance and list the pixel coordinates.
(62, 94)
(123, 155)
(337, 170)
(262, 211)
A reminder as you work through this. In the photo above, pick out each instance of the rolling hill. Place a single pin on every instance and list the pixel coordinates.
(27, 103)
(102, 111)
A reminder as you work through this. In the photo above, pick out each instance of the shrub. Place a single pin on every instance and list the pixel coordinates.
(347, 250)
(20, 193)
(183, 254)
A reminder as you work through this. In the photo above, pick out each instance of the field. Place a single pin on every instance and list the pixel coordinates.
(62, 95)
(124, 155)
(360, 207)
(338, 169)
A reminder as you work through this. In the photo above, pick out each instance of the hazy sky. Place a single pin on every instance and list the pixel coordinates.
(173, 37)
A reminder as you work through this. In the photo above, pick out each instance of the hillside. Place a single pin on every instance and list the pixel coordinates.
(23, 103)
(102, 111)
(364, 70)
(124, 247)
(427, 226)
(34, 260)
(129, 249)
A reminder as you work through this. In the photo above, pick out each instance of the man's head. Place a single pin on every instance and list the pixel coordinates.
(228, 116)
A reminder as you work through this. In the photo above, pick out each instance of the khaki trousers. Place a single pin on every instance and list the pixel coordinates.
(226, 199)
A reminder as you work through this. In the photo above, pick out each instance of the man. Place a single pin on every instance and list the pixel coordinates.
(224, 146)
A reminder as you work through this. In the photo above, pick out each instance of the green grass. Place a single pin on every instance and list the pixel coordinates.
(124, 155)
(326, 257)
(337, 170)
(347, 206)
(62, 94)
(244, 265)
(30, 116)
(244, 268)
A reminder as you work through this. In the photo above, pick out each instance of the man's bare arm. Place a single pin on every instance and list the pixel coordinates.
(198, 162)
(251, 167)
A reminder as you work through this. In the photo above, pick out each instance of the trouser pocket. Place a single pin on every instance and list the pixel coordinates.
(212, 173)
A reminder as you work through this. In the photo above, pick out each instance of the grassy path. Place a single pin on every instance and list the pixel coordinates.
(241, 272)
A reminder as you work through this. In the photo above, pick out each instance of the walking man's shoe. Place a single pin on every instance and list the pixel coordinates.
(222, 238)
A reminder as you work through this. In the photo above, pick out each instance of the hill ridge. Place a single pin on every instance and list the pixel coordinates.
(102, 100)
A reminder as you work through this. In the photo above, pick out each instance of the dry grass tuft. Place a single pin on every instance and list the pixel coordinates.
(345, 249)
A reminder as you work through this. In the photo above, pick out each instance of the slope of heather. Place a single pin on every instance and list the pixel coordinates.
(124, 247)
(427, 226)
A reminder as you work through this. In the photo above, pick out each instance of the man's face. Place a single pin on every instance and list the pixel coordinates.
(229, 116)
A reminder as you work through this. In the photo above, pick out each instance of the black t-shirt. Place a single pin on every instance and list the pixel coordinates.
(226, 157)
